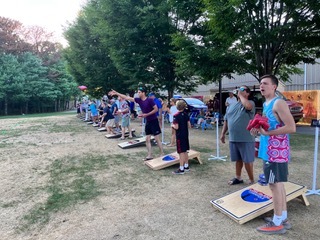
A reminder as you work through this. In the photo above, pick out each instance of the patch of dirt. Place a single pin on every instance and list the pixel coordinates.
(136, 202)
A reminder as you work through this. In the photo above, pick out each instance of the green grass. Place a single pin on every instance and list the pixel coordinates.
(302, 142)
(56, 128)
(74, 180)
(71, 181)
(79, 179)
(39, 115)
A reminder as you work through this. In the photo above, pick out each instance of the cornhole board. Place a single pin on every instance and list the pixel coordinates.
(101, 129)
(158, 163)
(134, 143)
(255, 200)
(118, 135)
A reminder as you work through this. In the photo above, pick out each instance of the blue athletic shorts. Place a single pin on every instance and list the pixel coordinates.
(242, 151)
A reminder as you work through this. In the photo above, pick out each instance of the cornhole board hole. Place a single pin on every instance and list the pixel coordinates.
(102, 129)
(134, 143)
(255, 200)
(159, 163)
(118, 135)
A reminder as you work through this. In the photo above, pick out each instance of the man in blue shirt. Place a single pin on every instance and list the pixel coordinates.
(152, 95)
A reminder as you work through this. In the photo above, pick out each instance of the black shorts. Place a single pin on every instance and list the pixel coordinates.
(182, 145)
(275, 172)
(153, 127)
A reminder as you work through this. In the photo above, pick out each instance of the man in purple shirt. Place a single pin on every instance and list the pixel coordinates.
(149, 111)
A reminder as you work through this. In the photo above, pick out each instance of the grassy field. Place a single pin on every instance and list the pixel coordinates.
(67, 173)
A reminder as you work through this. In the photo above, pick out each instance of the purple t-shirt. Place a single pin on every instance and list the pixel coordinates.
(146, 107)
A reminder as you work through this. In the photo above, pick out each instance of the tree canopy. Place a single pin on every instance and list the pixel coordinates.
(33, 75)
(258, 37)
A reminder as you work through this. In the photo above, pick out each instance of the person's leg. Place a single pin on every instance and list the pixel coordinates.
(279, 202)
(181, 160)
(247, 151)
(236, 157)
(249, 169)
(128, 126)
(159, 143)
(276, 174)
(123, 130)
(185, 158)
(239, 165)
(149, 148)
(130, 132)
(173, 137)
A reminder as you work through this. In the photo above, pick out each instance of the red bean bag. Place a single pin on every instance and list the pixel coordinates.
(257, 122)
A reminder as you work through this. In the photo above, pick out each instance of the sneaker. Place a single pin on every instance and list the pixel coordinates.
(286, 224)
(271, 228)
(187, 169)
(178, 171)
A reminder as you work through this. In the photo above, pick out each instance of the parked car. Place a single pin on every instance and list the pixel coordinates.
(296, 108)
(194, 104)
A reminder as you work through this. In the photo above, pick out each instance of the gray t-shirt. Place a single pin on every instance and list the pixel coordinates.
(238, 118)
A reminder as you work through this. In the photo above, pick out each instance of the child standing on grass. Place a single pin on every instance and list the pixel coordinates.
(181, 123)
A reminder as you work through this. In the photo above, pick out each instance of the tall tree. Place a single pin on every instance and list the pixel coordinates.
(35, 81)
(136, 37)
(138, 34)
(197, 53)
(11, 40)
(88, 60)
(260, 37)
(11, 79)
(272, 36)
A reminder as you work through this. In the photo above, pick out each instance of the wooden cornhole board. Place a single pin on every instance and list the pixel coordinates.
(118, 135)
(134, 143)
(102, 129)
(242, 211)
(158, 163)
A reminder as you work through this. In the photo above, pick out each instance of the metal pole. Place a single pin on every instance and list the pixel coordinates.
(218, 157)
(313, 191)
(305, 77)
(162, 130)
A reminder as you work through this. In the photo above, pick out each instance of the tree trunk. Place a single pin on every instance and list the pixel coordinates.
(5, 105)
(26, 108)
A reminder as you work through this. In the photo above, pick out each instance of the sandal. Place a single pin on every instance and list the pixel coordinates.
(235, 181)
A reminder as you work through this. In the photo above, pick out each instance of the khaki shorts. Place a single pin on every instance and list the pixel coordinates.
(110, 123)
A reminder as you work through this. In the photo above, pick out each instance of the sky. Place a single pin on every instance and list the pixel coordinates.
(52, 15)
